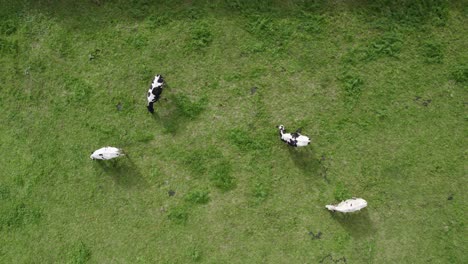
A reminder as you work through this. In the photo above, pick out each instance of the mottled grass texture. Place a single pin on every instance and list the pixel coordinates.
(379, 86)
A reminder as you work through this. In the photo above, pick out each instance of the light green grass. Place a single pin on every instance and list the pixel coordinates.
(379, 86)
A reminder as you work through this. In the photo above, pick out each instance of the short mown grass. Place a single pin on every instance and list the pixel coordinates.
(379, 86)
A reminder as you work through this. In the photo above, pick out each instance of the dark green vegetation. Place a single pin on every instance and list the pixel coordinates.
(379, 86)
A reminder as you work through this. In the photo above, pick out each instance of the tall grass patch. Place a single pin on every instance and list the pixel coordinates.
(460, 74)
(81, 254)
(221, 176)
(410, 14)
(18, 214)
(201, 36)
(432, 52)
(178, 214)
(198, 196)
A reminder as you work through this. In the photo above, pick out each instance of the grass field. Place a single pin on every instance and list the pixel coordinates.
(379, 86)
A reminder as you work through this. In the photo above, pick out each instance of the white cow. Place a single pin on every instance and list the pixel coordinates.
(106, 153)
(348, 206)
(293, 139)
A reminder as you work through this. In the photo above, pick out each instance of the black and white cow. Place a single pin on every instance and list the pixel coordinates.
(293, 139)
(154, 92)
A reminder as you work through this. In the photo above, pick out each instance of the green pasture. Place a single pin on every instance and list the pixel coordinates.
(379, 86)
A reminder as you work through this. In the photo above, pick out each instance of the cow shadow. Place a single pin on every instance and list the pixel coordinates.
(358, 224)
(175, 111)
(168, 116)
(123, 171)
(306, 160)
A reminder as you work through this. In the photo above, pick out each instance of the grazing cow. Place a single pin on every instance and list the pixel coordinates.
(154, 92)
(293, 139)
(106, 153)
(348, 206)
